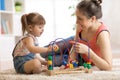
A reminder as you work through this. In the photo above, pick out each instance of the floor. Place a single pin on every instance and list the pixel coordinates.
(116, 61)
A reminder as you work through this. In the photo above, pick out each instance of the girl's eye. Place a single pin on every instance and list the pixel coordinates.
(40, 27)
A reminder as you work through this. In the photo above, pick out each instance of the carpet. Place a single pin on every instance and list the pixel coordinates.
(96, 75)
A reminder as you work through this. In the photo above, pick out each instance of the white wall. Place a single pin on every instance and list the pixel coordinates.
(45, 8)
(111, 17)
(59, 22)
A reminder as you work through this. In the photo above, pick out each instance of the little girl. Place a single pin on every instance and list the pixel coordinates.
(26, 55)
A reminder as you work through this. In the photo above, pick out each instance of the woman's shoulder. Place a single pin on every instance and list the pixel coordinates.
(102, 32)
(103, 27)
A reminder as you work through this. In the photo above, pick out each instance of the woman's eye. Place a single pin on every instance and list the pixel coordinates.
(79, 19)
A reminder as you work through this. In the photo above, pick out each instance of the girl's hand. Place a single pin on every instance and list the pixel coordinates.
(80, 48)
(53, 47)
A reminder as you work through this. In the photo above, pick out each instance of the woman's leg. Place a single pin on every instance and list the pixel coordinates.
(64, 46)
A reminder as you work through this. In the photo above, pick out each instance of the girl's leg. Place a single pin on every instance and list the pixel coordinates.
(33, 66)
(44, 68)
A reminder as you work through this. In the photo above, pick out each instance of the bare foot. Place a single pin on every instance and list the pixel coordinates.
(43, 62)
(44, 68)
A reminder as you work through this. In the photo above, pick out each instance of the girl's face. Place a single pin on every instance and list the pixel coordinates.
(37, 30)
(82, 21)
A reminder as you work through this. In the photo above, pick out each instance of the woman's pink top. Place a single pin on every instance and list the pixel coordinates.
(92, 43)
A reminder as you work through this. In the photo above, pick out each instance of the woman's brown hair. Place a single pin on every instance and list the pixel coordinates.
(90, 8)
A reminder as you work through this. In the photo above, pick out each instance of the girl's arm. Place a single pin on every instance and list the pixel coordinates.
(29, 43)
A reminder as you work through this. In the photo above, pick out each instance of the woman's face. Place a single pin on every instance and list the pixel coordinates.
(82, 21)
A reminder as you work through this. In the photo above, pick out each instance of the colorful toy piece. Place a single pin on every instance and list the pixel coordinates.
(55, 48)
(50, 63)
(64, 63)
(71, 66)
(88, 64)
(89, 61)
(75, 63)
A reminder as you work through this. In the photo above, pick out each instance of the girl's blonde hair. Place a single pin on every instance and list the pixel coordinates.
(31, 19)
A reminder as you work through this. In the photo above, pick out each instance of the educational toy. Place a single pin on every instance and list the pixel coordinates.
(68, 66)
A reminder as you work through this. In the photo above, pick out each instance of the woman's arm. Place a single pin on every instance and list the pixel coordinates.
(72, 51)
(78, 29)
(104, 63)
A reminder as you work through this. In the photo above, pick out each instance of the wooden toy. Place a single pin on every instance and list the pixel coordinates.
(68, 66)
(79, 69)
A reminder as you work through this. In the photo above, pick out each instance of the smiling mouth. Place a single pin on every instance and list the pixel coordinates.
(80, 26)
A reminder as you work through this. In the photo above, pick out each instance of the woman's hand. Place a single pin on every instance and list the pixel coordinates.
(80, 48)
